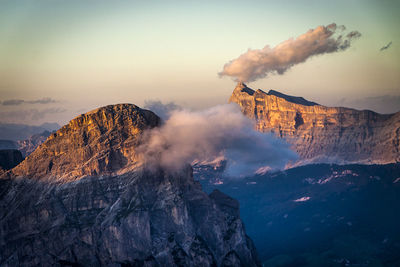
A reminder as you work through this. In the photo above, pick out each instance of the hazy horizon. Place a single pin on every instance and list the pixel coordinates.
(59, 59)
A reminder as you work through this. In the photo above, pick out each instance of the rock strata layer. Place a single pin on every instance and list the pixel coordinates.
(323, 134)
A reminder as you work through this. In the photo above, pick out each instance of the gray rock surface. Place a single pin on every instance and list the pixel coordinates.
(136, 219)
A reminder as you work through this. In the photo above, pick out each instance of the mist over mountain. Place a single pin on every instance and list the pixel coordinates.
(211, 135)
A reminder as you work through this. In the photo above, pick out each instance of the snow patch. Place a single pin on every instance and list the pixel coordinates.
(302, 199)
(263, 170)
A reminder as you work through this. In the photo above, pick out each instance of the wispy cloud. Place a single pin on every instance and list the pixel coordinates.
(258, 63)
(28, 114)
(386, 46)
(16, 102)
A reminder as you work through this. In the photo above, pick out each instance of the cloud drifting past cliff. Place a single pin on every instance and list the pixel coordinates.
(258, 63)
(219, 132)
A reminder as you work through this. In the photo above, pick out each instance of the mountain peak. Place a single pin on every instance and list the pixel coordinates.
(242, 87)
(241, 84)
(101, 141)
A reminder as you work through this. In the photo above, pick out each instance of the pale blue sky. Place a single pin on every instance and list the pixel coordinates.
(85, 54)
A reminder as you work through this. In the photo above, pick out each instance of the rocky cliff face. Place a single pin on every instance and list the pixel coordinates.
(320, 133)
(102, 141)
(84, 204)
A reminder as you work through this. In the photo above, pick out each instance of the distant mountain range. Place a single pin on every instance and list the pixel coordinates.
(29, 145)
(17, 132)
(323, 134)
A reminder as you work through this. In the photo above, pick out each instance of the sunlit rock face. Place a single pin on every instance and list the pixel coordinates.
(99, 142)
(320, 133)
(95, 206)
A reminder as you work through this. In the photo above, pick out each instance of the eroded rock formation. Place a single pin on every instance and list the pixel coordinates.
(319, 133)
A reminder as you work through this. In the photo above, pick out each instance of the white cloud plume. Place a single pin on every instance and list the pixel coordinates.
(258, 63)
(203, 136)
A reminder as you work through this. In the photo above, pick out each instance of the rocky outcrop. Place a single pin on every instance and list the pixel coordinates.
(102, 141)
(113, 212)
(9, 158)
(319, 133)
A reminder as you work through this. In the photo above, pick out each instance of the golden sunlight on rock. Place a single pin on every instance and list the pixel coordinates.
(96, 143)
(345, 134)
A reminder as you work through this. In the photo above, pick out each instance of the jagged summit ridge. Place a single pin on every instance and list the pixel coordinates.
(293, 99)
(101, 141)
(323, 134)
(243, 88)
